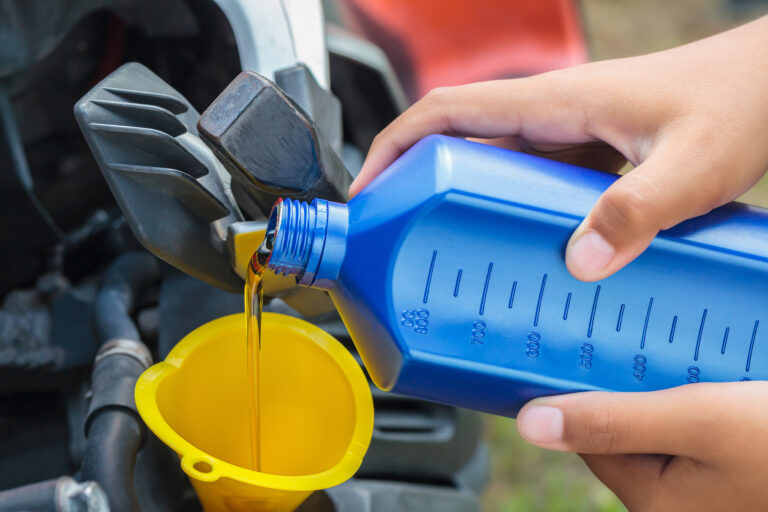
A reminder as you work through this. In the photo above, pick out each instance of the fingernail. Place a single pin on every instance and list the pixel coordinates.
(590, 253)
(542, 424)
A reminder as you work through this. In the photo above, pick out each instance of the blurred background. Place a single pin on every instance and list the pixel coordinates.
(525, 478)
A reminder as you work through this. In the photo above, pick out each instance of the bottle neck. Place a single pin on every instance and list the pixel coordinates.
(310, 240)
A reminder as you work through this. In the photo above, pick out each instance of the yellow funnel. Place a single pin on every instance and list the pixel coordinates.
(316, 413)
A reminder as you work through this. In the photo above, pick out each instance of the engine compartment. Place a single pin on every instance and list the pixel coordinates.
(76, 277)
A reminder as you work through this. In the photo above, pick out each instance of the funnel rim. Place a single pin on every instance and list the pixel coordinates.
(146, 403)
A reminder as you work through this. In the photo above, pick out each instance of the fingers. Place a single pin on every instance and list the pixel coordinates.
(595, 155)
(667, 188)
(696, 421)
(548, 107)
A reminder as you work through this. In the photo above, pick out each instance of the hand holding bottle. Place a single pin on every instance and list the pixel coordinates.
(693, 120)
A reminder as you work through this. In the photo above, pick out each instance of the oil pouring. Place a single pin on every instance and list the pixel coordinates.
(254, 300)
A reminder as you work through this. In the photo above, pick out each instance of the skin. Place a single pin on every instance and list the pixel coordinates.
(693, 121)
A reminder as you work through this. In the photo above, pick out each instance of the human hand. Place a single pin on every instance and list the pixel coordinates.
(693, 120)
(713, 434)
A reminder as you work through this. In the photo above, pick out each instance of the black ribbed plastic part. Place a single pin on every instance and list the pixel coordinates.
(171, 188)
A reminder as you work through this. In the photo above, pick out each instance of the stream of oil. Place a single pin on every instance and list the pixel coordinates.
(254, 299)
(253, 305)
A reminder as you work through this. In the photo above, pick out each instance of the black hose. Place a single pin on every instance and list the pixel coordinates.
(114, 438)
(38, 497)
(114, 431)
(121, 285)
(63, 493)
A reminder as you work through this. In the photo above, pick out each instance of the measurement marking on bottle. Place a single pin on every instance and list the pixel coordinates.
(752, 345)
(594, 309)
(458, 282)
(725, 340)
(512, 295)
(645, 325)
(541, 296)
(698, 338)
(672, 329)
(485, 288)
(621, 317)
(429, 276)
(567, 306)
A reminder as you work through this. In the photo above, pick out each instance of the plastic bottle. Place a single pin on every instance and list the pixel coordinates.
(449, 272)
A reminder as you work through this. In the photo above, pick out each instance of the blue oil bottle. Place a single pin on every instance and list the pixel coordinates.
(449, 272)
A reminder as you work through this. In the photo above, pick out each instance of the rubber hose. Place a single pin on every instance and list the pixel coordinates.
(121, 284)
(38, 497)
(114, 431)
(110, 456)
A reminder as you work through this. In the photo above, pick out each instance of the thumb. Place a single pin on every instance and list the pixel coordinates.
(661, 192)
(693, 420)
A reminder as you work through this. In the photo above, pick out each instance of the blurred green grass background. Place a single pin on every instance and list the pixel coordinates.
(525, 478)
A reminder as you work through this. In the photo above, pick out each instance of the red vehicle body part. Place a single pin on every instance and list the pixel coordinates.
(434, 43)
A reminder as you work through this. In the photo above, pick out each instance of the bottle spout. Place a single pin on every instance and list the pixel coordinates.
(306, 240)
